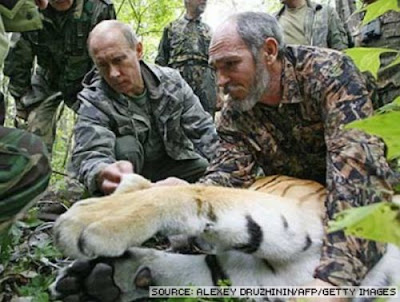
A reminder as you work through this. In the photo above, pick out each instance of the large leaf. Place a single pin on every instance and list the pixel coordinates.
(378, 8)
(384, 126)
(379, 222)
(367, 59)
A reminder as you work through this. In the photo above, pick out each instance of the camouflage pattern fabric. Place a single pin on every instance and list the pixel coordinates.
(3, 42)
(20, 15)
(304, 137)
(62, 58)
(24, 165)
(13, 17)
(323, 27)
(24, 171)
(184, 46)
(187, 131)
(383, 32)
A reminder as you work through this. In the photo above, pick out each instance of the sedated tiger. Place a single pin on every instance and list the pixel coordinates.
(270, 234)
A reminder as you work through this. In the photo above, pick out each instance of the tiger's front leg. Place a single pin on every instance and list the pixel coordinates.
(244, 220)
(109, 226)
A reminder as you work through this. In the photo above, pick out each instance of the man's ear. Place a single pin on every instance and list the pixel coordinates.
(139, 50)
(270, 50)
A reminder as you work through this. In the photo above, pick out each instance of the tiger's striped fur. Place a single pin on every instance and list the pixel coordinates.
(269, 235)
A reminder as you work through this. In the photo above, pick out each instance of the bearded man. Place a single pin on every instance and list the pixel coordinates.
(286, 113)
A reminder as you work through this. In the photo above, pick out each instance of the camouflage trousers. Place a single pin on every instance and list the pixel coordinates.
(24, 171)
(37, 110)
(40, 118)
(202, 80)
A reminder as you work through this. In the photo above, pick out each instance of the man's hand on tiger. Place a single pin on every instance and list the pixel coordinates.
(110, 177)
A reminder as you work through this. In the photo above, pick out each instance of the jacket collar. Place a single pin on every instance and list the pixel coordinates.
(151, 80)
(314, 6)
(75, 11)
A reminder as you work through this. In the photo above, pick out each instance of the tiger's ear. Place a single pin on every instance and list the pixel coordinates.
(132, 182)
(143, 278)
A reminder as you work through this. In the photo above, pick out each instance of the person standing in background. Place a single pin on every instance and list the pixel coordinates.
(305, 22)
(24, 163)
(383, 31)
(184, 46)
(62, 59)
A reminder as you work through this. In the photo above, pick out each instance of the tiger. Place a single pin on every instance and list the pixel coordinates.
(270, 235)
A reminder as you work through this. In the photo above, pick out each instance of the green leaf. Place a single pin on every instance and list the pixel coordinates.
(392, 106)
(384, 126)
(378, 8)
(395, 61)
(379, 222)
(367, 59)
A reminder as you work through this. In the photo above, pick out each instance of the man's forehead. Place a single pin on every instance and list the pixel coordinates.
(226, 45)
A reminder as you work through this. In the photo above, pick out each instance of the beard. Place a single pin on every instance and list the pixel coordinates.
(256, 91)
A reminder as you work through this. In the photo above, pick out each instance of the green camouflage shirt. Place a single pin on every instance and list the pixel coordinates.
(18, 16)
(60, 48)
(184, 46)
(304, 137)
(322, 26)
(187, 131)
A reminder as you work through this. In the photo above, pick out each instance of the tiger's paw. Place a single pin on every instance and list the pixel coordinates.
(92, 228)
(104, 279)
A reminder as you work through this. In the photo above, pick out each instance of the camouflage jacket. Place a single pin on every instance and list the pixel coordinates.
(187, 130)
(18, 16)
(322, 26)
(184, 46)
(60, 48)
(184, 40)
(383, 32)
(304, 137)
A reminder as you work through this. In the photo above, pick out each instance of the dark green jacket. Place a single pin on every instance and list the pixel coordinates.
(60, 48)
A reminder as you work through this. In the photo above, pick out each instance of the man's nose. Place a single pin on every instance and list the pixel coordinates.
(114, 72)
(222, 79)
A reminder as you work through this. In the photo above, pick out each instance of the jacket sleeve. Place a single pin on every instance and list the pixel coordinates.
(94, 145)
(357, 175)
(337, 35)
(18, 65)
(105, 11)
(198, 124)
(163, 49)
(234, 165)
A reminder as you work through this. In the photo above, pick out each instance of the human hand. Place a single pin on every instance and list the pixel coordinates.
(170, 181)
(110, 177)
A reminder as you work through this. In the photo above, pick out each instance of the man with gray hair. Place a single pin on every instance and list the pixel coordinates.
(136, 117)
(285, 114)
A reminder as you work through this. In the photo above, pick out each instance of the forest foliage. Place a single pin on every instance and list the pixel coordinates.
(381, 221)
